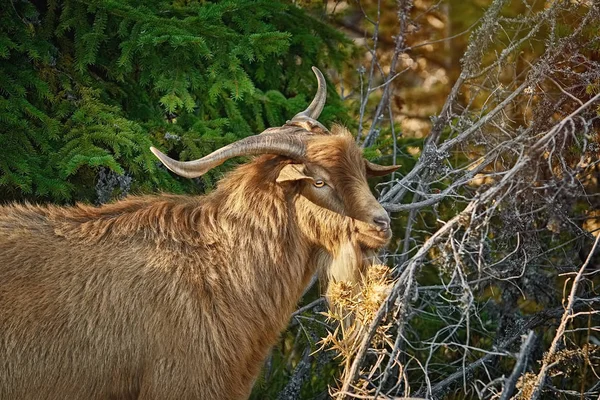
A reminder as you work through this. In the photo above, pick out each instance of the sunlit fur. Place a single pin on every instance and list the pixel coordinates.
(171, 297)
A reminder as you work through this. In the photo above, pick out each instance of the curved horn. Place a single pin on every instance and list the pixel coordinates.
(316, 106)
(281, 144)
(379, 170)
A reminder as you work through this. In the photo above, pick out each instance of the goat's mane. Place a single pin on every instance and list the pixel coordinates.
(166, 217)
(162, 217)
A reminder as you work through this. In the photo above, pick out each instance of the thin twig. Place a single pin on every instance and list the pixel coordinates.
(526, 349)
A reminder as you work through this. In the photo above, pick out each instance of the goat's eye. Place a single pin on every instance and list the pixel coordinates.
(319, 183)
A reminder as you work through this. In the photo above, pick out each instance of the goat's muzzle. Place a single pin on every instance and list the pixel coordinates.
(371, 235)
(382, 221)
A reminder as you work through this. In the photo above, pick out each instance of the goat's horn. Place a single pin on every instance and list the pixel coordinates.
(287, 145)
(316, 106)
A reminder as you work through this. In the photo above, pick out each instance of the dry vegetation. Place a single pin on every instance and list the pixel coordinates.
(491, 291)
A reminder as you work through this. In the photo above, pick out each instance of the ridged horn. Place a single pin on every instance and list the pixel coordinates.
(281, 144)
(316, 106)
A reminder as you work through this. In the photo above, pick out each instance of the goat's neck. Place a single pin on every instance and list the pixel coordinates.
(256, 225)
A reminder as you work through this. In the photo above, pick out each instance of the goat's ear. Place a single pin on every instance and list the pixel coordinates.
(292, 172)
(379, 170)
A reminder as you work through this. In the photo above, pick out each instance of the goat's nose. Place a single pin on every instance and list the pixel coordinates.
(382, 221)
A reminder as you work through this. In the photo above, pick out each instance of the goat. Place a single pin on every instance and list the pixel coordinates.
(181, 297)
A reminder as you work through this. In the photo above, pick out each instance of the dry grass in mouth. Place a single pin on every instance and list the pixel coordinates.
(352, 308)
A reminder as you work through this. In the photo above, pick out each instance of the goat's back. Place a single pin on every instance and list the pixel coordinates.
(94, 321)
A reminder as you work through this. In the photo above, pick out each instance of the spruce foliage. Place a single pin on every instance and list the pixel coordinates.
(88, 86)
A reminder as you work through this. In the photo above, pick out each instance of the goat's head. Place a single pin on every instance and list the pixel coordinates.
(326, 168)
(333, 175)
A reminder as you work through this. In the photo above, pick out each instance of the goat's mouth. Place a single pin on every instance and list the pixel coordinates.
(371, 236)
(387, 232)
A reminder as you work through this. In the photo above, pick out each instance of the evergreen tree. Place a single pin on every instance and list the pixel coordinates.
(87, 86)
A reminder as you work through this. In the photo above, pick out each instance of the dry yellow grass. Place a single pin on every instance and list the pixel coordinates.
(353, 307)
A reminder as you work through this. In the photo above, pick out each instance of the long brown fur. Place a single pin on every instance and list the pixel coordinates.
(170, 297)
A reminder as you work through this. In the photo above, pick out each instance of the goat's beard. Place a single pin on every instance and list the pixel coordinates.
(347, 267)
(350, 263)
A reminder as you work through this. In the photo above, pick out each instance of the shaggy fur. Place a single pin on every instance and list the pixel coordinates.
(172, 297)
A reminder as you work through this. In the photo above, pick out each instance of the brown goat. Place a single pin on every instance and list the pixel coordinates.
(173, 297)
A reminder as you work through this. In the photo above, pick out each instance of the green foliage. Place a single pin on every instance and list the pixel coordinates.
(91, 85)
